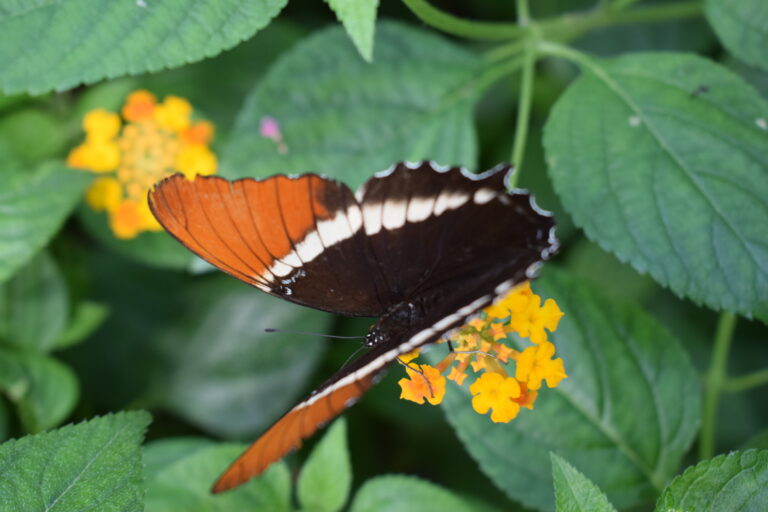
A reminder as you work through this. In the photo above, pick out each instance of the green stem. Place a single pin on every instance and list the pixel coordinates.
(566, 52)
(451, 24)
(523, 110)
(571, 26)
(523, 13)
(621, 4)
(746, 382)
(714, 384)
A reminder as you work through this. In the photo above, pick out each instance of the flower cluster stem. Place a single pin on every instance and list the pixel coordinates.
(523, 111)
(746, 382)
(491, 31)
(713, 386)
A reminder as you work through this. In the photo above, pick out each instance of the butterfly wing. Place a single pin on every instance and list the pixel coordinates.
(299, 238)
(443, 232)
(435, 242)
(439, 260)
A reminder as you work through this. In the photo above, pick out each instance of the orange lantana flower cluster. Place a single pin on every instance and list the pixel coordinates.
(482, 346)
(133, 151)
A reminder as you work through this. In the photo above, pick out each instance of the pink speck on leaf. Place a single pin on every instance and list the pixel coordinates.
(269, 128)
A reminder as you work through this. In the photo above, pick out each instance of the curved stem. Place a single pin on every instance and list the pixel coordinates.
(451, 24)
(746, 382)
(571, 26)
(523, 13)
(714, 383)
(523, 111)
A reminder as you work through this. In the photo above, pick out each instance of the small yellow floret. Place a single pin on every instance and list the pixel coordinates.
(196, 159)
(173, 114)
(409, 356)
(494, 392)
(139, 106)
(101, 125)
(201, 132)
(535, 364)
(428, 384)
(126, 220)
(104, 194)
(96, 156)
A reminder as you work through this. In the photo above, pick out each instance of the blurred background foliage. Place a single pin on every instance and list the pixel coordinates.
(90, 324)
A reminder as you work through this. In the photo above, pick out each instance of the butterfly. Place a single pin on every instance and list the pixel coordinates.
(419, 246)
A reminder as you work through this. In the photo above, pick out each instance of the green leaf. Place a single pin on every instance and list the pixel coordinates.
(737, 481)
(396, 493)
(34, 205)
(359, 20)
(742, 26)
(86, 318)
(32, 134)
(326, 477)
(95, 465)
(44, 390)
(221, 371)
(155, 248)
(663, 160)
(180, 474)
(34, 305)
(158, 455)
(353, 118)
(232, 75)
(86, 42)
(574, 492)
(625, 415)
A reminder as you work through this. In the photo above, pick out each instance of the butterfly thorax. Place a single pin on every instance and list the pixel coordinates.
(395, 323)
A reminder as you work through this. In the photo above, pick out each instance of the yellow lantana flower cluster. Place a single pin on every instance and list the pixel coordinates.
(480, 345)
(147, 142)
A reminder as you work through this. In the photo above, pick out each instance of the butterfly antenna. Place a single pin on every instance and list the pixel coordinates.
(361, 347)
(269, 329)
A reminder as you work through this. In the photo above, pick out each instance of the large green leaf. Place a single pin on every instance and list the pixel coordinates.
(231, 75)
(180, 473)
(43, 390)
(399, 493)
(326, 477)
(742, 26)
(87, 316)
(663, 160)
(95, 465)
(359, 20)
(221, 371)
(625, 415)
(344, 117)
(574, 492)
(86, 41)
(34, 305)
(737, 481)
(34, 204)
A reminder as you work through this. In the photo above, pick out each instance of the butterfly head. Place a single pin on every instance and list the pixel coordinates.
(374, 337)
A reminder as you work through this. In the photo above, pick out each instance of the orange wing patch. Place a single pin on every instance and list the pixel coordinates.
(243, 227)
(299, 209)
(287, 434)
